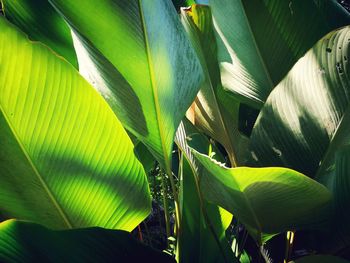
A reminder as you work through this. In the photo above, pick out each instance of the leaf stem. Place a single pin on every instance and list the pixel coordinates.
(176, 199)
(166, 208)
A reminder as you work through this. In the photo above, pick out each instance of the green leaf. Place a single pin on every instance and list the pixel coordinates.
(29, 242)
(137, 55)
(65, 159)
(341, 191)
(320, 259)
(182, 3)
(268, 200)
(307, 116)
(260, 40)
(336, 234)
(202, 235)
(42, 23)
(210, 113)
(144, 156)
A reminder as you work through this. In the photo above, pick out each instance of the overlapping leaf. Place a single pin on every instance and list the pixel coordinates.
(202, 236)
(268, 200)
(137, 55)
(79, 245)
(42, 23)
(306, 117)
(210, 113)
(260, 40)
(65, 159)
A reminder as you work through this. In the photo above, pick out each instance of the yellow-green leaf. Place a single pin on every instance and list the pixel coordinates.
(41, 22)
(268, 200)
(137, 55)
(65, 159)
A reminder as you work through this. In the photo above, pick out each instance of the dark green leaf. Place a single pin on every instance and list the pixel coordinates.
(42, 23)
(28, 242)
(260, 40)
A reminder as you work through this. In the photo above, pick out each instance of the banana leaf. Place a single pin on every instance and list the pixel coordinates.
(267, 200)
(65, 159)
(137, 55)
(17, 244)
(40, 21)
(213, 111)
(259, 41)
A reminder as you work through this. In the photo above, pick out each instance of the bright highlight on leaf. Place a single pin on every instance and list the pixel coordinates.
(202, 237)
(265, 83)
(65, 159)
(268, 200)
(259, 41)
(214, 112)
(146, 69)
(306, 118)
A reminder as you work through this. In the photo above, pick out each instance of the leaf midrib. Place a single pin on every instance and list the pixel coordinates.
(36, 172)
(212, 91)
(154, 90)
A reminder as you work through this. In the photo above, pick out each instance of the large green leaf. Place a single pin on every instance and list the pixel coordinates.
(202, 236)
(28, 242)
(307, 116)
(210, 114)
(268, 200)
(42, 23)
(260, 40)
(335, 236)
(137, 55)
(341, 192)
(65, 159)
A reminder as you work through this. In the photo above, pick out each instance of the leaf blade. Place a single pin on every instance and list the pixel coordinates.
(41, 23)
(161, 77)
(258, 196)
(256, 52)
(78, 245)
(58, 126)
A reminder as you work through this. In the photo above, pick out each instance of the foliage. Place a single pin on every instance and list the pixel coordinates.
(79, 245)
(96, 99)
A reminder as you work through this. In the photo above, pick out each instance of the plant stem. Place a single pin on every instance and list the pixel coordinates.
(176, 199)
(205, 215)
(140, 233)
(148, 234)
(166, 208)
(232, 158)
(289, 245)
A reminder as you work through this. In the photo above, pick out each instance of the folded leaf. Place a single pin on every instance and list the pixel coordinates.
(268, 200)
(210, 114)
(29, 242)
(65, 159)
(137, 55)
(203, 225)
(260, 40)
